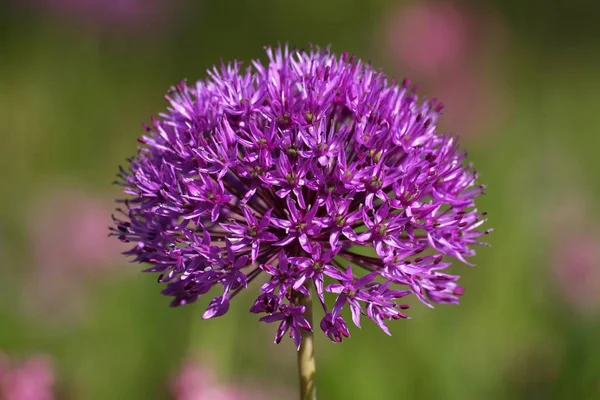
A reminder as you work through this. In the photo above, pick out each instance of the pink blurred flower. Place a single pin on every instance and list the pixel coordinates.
(68, 236)
(69, 231)
(196, 382)
(566, 214)
(473, 106)
(31, 380)
(122, 16)
(443, 44)
(576, 268)
(431, 37)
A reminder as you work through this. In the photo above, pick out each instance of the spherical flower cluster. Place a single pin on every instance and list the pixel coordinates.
(313, 172)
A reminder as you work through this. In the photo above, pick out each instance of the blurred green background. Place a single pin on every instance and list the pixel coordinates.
(521, 85)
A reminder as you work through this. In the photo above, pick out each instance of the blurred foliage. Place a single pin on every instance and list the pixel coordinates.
(71, 104)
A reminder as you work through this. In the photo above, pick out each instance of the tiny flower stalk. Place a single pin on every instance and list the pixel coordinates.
(313, 173)
(306, 355)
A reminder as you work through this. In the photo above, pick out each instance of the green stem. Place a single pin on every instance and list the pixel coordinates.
(306, 356)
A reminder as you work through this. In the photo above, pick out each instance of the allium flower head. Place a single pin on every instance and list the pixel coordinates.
(312, 171)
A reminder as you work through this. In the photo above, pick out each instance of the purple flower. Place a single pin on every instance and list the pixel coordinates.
(298, 225)
(334, 327)
(265, 303)
(294, 171)
(291, 319)
(253, 232)
(350, 291)
(314, 268)
(283, 275)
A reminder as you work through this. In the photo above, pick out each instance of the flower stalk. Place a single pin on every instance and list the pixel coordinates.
(306, 355)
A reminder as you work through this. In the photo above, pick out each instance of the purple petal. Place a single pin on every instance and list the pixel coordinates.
(217, 307)
(287, 240)
(356, 311)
